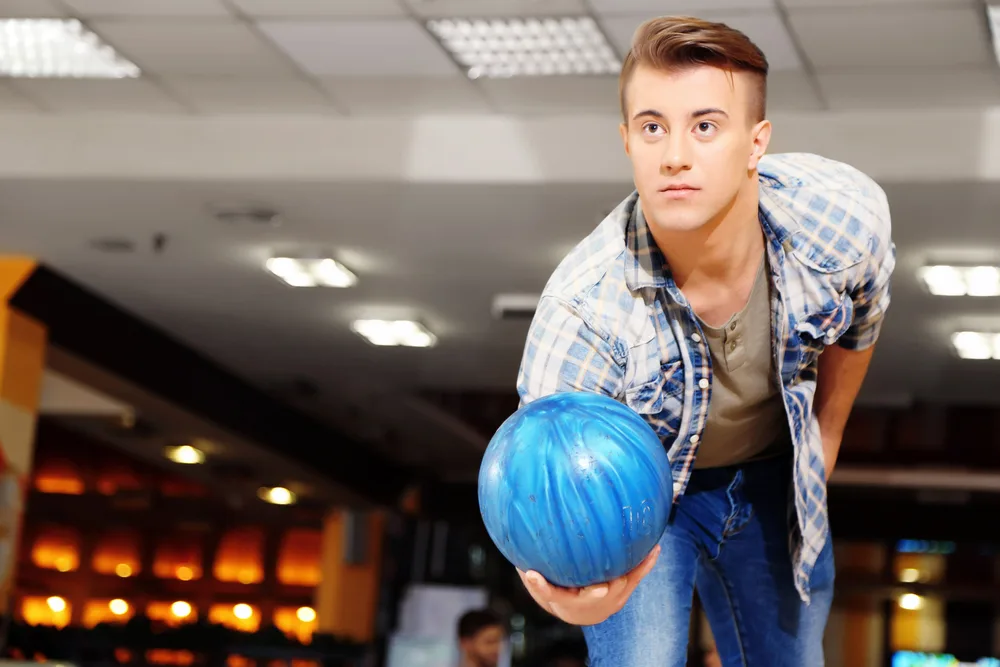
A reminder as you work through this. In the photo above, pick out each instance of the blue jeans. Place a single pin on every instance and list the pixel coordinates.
(729, 537)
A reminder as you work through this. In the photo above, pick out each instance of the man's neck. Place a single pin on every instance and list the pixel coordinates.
(722, 251)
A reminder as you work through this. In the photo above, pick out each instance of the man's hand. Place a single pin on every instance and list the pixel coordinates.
(590, 605)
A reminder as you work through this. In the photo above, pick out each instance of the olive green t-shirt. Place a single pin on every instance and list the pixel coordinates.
(746, 412)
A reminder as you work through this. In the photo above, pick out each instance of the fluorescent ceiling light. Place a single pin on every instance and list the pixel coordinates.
(993, 15)
(976, 345)
(961, 280)
(316, 272)
(500, 48)
(58, 48)
(394, 333)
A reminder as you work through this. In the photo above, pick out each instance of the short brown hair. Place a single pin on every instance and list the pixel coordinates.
(474, 621)
(679, 42)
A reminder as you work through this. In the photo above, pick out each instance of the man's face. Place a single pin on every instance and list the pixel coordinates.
(692, 141)
(483, 648)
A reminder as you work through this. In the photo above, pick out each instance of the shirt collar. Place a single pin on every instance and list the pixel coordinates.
(645, 265)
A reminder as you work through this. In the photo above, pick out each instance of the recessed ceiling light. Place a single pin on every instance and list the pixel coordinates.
(976, 345)
(501, 48)
(942, 280)
(58, 48)
(185, 454)
(394, 333)
(311, 272)
(277, 495)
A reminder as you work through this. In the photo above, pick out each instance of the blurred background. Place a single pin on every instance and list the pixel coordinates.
(268, 266)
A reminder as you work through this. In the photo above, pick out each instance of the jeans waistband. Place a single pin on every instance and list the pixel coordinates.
(774, 468)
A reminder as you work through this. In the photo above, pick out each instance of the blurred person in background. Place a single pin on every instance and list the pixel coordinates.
(480, 638)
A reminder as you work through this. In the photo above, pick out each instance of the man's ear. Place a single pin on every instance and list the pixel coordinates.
(761, 138)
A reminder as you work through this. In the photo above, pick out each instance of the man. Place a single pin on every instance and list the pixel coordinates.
(733, 300)
(480, 638)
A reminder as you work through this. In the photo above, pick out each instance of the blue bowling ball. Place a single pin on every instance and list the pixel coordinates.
(577, 487)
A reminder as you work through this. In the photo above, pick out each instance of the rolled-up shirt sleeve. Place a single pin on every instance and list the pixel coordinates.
(874, 288)
(563, 353)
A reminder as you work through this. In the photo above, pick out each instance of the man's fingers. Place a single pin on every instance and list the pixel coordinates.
(617, 586)
(595, 592)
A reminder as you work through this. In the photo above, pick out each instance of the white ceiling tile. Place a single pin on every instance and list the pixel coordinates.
(319, 8)
(551, 94)
(919, 89)
(496, 8)
(892, 37)
(99, 96)
(765, 28)
(194, 48)
(133, 8)
(664, 7)
(409, 95)
(13, 101)
(791, 91)
(839, 4)
(387, 47)
(250, 96)
(42, 9)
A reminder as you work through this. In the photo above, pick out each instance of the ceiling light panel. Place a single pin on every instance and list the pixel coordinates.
(394, 333)
(311, 272)
(977, 345)
(503, 48)
(58, 48)
(942, 280)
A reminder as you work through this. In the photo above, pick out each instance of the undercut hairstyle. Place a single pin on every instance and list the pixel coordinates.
(473, 622)
(673, 43)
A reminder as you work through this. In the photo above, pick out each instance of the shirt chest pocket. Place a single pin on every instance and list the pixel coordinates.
(660, 398)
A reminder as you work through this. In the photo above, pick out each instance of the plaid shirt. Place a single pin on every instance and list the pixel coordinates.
(612, 320)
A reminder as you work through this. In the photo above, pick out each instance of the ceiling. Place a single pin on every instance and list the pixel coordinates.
(440, 191)
(359, 57)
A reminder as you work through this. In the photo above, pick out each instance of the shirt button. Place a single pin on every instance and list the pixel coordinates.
(732, 327)
(677, 488)
(695, 439)
(703, 383)
(830, 333)
(696, 338)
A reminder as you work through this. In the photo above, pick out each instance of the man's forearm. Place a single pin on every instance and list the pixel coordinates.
(841, 373)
